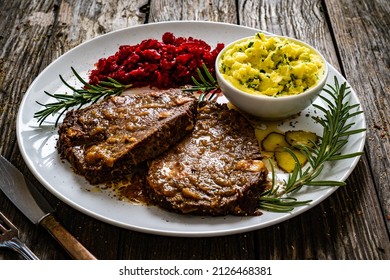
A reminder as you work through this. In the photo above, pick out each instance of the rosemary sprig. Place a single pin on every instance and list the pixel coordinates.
(89, 94)
(336, 130)
(271, 199)
(207, 86)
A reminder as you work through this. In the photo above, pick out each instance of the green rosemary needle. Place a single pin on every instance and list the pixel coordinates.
(207, 86)
(89, 94)
(336, 130)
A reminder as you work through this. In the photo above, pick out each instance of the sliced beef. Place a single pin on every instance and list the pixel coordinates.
(105, 140)
(216, 170)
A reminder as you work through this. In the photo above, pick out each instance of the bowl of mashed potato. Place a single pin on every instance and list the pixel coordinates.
(269, 76)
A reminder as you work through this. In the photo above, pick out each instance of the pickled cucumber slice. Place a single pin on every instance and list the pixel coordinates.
(285, 160)
(301, 137)
(273, 141)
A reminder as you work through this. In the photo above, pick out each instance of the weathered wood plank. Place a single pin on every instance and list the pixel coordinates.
(34, 34)
(348, 225)
(342, 227)
(210, 10)
(23, 40)
(145, 246)
(306, 20)
(19, 63)
(79, 21)
(361, 30)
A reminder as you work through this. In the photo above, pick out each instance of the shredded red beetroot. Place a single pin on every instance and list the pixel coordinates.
(165, 64)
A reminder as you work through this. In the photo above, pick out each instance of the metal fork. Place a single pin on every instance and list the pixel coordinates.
(9, 238)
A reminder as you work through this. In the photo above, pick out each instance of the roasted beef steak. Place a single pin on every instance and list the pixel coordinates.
(215, 170)
(105, 140)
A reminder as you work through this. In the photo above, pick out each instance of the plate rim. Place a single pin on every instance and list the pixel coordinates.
(207, 233)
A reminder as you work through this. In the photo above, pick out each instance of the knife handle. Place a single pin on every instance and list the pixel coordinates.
(71, 245)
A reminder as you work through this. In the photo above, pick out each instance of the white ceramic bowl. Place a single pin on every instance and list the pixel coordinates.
(268, 107)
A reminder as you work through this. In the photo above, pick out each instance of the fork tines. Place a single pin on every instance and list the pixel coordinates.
(9, 237)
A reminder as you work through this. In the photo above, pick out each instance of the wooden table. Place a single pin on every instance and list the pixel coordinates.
(354, 36)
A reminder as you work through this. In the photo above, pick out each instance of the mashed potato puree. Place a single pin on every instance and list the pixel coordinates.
(271, 66)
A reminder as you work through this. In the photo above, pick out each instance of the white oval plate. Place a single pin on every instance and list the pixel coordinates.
(38, 143)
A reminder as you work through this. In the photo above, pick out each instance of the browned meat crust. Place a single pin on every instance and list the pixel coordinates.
(216, 170)
(105, 140)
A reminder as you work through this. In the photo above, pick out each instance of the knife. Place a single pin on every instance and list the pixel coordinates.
(35, 207)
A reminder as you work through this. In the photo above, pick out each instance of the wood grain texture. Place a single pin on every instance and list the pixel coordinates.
(362, 32)
(307, 20)
(22, 42)
(145, 246)
(29, 42)
(19, 60)
(303, 20)
(70, 244)
(79, 21)
(207, 10)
